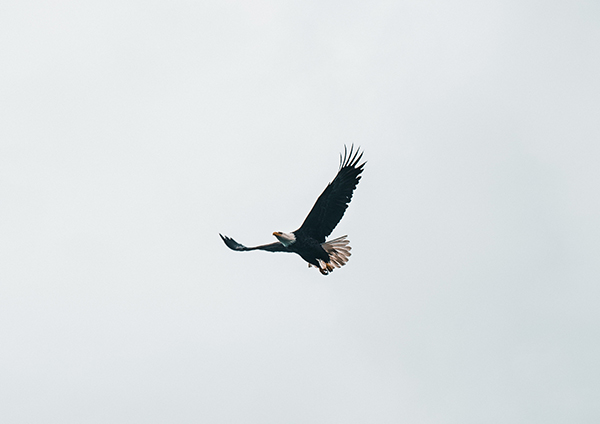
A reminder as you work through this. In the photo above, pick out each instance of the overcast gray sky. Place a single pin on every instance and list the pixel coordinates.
(133, 132)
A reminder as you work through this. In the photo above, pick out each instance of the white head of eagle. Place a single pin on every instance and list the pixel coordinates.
(309, 241)
(285, 238)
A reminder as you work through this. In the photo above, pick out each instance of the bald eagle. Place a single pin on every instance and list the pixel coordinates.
(308, 241)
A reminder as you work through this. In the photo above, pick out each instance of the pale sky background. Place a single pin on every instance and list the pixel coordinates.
(133, 132)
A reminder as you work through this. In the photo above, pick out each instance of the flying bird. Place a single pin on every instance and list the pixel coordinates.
(308, 241)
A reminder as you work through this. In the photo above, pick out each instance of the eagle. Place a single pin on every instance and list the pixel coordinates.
(308, 241)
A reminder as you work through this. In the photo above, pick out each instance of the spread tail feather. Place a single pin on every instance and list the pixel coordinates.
(339, 252)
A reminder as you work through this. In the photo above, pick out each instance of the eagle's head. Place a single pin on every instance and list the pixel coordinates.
(285, 238)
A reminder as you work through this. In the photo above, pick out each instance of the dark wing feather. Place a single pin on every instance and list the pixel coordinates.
(329, 208)
(234, 245)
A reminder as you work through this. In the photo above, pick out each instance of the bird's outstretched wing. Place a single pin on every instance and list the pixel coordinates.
(234, 245)
(329, 208)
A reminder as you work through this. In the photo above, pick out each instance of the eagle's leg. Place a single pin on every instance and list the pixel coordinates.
(325, 267)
